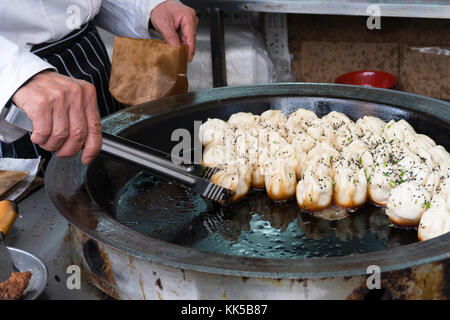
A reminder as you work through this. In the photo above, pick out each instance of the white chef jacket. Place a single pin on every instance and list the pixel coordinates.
(24, 23)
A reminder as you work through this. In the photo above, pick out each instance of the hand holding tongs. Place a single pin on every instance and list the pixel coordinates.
(194, 176)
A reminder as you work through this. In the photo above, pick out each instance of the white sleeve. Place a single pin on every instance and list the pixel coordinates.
(127, 18)
(17, 65)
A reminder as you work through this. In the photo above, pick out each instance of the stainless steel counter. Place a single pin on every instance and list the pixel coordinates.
(42, 231)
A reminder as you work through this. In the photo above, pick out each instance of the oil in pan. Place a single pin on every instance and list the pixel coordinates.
(254, 227)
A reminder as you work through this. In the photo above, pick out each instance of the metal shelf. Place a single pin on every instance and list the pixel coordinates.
(389, 8)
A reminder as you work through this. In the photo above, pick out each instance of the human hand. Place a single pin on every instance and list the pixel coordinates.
(64, 114)
(177, 24)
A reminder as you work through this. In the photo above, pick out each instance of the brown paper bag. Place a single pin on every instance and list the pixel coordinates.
(144, 70)
(9, 179)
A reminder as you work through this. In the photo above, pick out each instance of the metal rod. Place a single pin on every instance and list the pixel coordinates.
(219, 70)
(138, 156)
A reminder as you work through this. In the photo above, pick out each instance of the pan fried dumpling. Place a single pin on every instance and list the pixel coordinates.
(287, 153)
(244, 120)
(280, 180)
(241, 147)
(272, 119)
(321, 131)
(371, 124)
(418, 142)
(321, 148)
(406, 204)
(400, 130)
(434, 222)
(439, 154)
(314, 191)
(296, 121)
(337, 119)
(258, 178)
(215, 131)
(270, 139)
(444, 170)
(372, 140)
(346, 134)
(381, 182)
(424, 174)
(234, 177)
(320, 158)
(219, 155)
(350, 187)
(391, 152)
(259, 168)
(302, 144)
(357, 154)
(275, 142)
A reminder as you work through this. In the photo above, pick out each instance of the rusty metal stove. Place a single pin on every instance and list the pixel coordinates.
(131, 252)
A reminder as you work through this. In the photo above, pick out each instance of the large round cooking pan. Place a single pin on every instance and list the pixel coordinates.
(87, 197)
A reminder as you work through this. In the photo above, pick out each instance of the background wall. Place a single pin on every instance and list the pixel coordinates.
(417, 51)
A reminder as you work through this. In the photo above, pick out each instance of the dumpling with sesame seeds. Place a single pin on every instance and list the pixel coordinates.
(236, 178)
(349, 171)
(418, 142)
(399, 130)
(215, 131)
(272, 119)
(321, 131)
(371, 124)
(434, 223)
(296, 121)
(244, 120)
(314, 191)
(219, 155)
(406, 204)
(381, 181)
(439, 154)
(280, 180)
(302, 144)
(337, 119)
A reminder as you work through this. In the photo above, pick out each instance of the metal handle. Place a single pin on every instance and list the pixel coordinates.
(8, 215)
(144, 158)
(18, 118)
(133, 153)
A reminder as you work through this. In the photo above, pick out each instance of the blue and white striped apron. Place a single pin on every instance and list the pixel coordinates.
(81, 55)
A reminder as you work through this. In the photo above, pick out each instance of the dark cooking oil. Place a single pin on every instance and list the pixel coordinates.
(254, 227)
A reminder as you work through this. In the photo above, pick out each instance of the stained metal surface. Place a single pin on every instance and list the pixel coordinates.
(42, 231)
(90, 207)
(126, 277)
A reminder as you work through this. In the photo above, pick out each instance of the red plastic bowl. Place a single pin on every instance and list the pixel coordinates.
(368, 78)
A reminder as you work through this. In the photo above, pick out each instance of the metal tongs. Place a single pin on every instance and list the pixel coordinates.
(193, 176)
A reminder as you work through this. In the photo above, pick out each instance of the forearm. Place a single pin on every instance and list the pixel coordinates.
(127, 18)
(17, 65)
